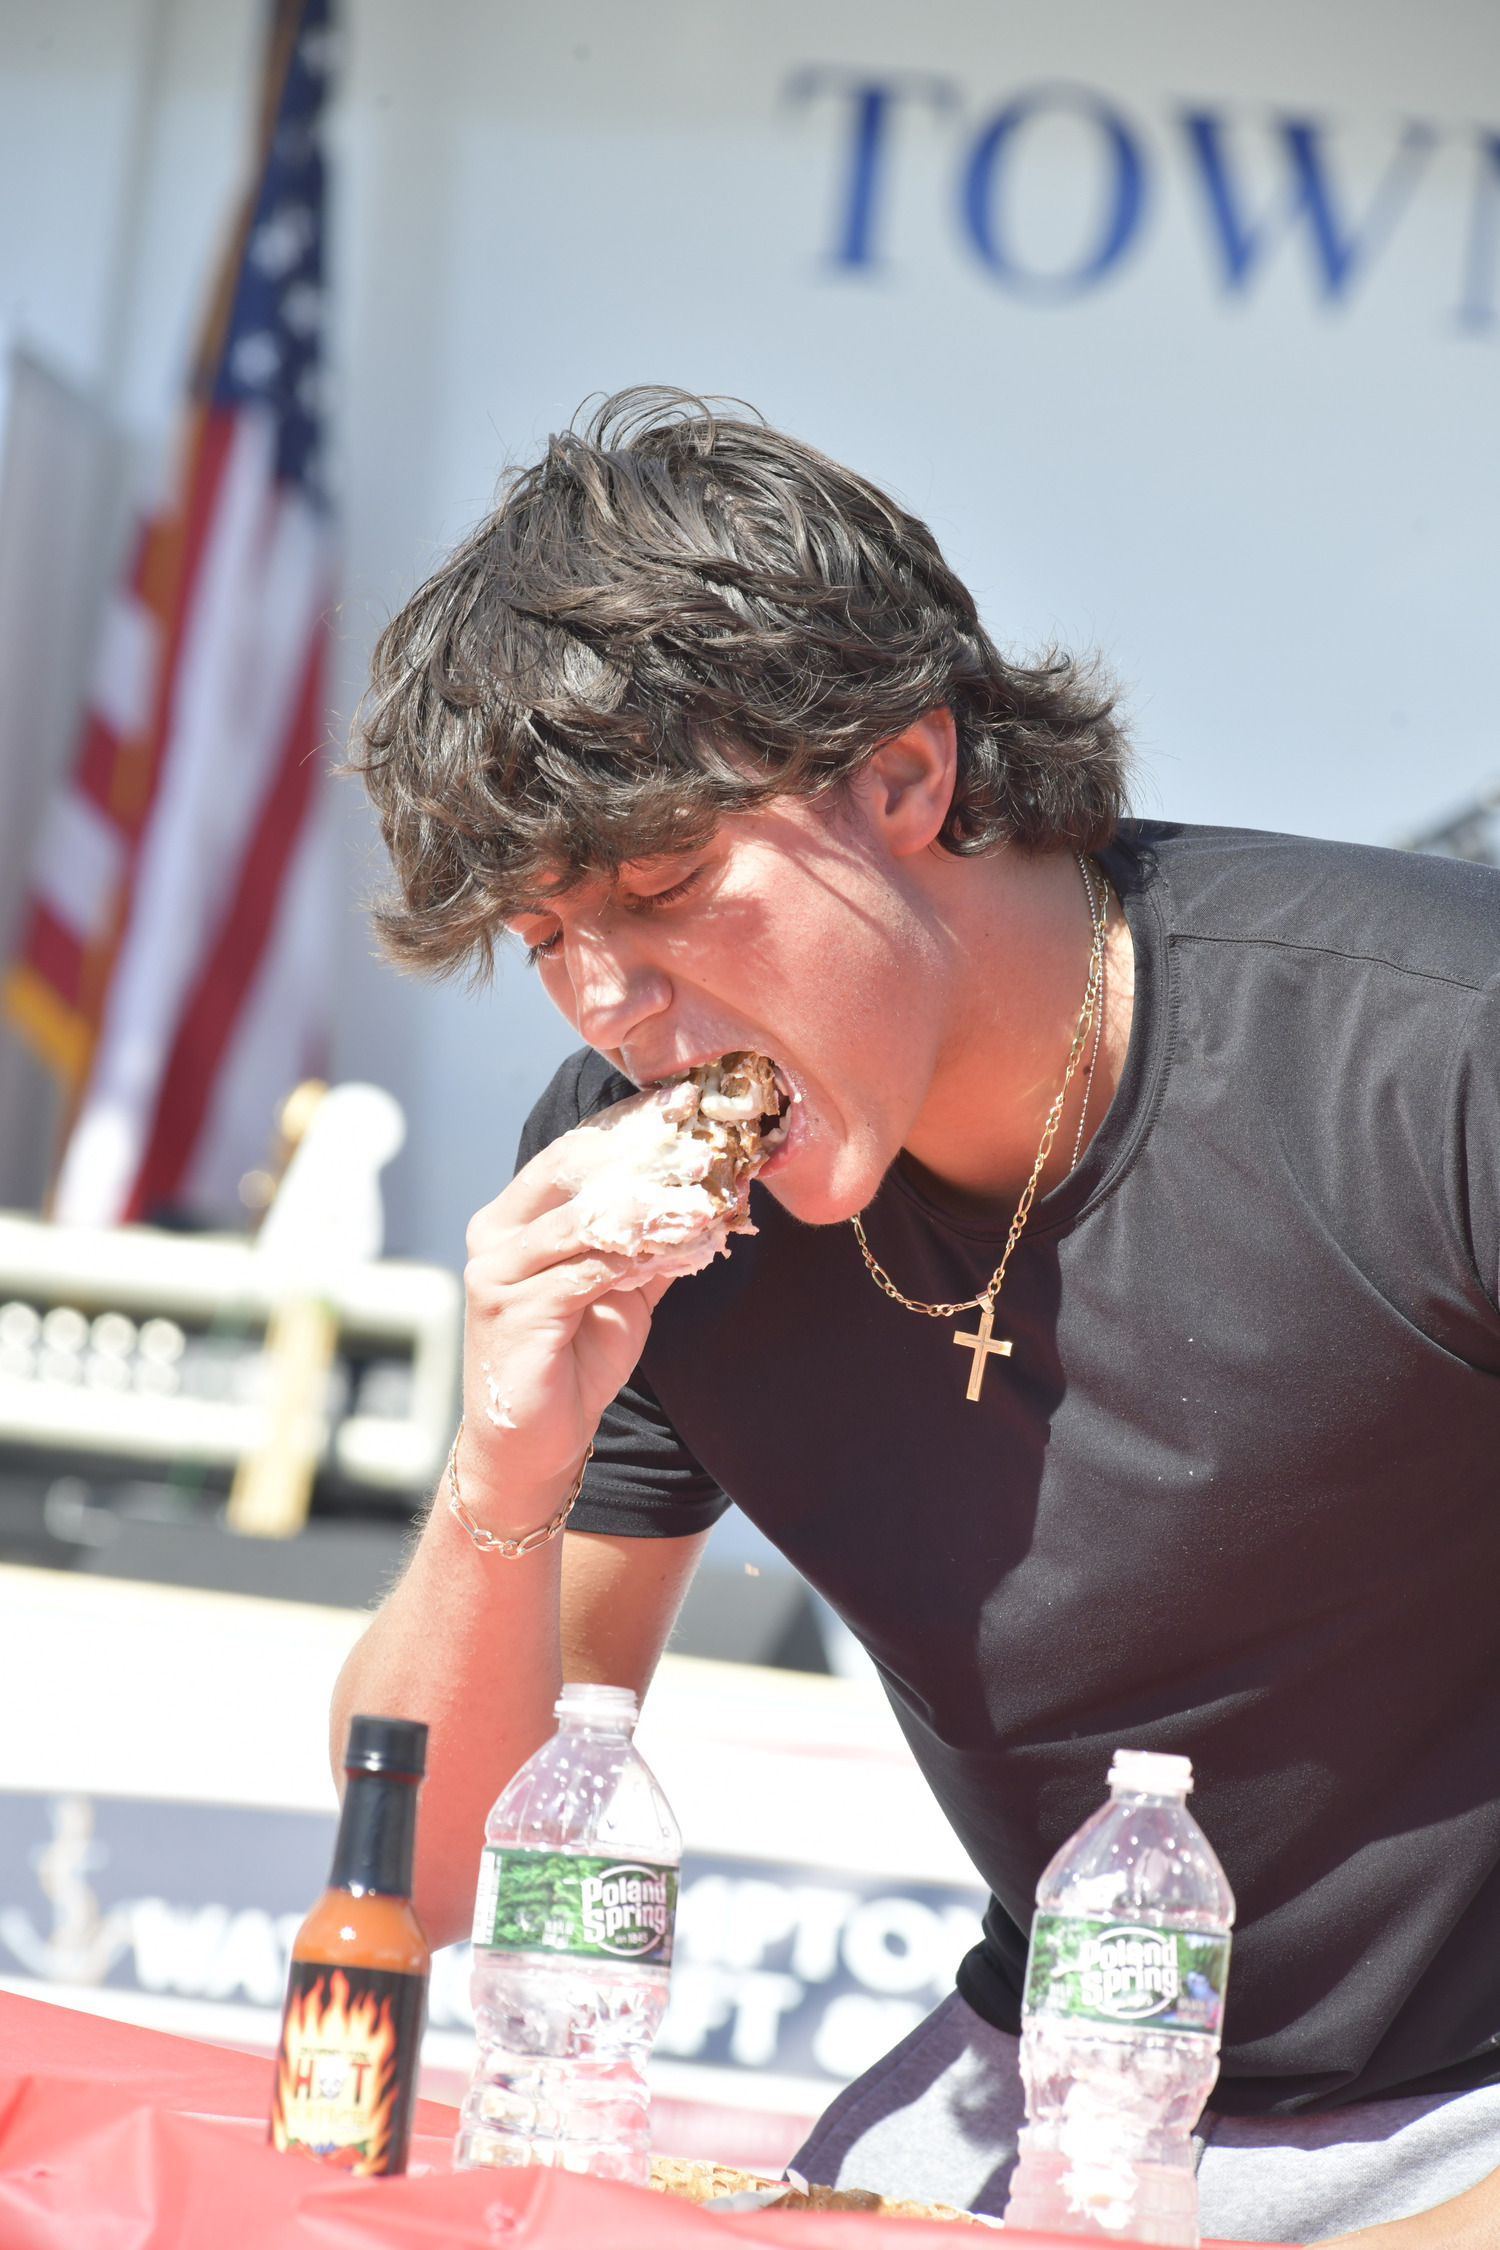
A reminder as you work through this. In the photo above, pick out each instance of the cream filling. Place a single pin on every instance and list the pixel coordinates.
(663, 1178)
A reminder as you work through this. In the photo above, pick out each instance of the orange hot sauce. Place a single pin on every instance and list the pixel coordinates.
(351, 2034)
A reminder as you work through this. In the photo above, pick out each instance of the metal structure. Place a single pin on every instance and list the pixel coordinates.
(139, 1345)
(1471, 833)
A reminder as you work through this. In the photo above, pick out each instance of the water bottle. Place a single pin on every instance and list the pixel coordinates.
(572, 1949)
(1122, 2015)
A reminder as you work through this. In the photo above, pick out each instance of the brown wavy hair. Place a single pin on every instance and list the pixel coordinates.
(678, 613)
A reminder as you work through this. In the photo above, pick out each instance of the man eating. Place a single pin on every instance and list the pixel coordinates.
(1117, 1350)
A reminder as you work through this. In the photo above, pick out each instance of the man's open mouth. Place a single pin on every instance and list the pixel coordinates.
(742, 1106)
(664, 1178)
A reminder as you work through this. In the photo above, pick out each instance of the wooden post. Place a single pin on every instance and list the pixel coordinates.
(272, 1486)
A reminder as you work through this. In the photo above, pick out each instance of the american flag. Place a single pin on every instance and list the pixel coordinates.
(170, 967)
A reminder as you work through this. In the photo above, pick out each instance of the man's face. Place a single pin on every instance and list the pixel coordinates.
(795, 933)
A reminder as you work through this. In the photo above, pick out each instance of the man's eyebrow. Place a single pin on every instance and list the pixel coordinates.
(659, 863)
(646, 870)
(534, 906)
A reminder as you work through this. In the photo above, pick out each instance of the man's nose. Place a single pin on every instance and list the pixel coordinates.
(613, 994)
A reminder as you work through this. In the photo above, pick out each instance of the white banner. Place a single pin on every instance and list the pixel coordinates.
(161, 1841)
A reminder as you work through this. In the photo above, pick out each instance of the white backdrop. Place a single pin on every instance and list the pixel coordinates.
(1180, 323)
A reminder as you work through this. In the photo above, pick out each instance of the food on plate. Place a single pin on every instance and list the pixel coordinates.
(699, 2181)
(663, 1178)
(695, 2179)
(865, 2199)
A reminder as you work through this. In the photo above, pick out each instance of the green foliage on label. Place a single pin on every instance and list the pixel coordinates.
(559, 1902)
(1099, 1970)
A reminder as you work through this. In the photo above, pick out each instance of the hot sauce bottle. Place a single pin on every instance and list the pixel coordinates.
(346, 2074)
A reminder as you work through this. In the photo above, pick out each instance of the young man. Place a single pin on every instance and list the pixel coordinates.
(709, 723)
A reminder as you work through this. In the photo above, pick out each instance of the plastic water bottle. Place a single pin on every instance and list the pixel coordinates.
(1122, 2015)
(572, 1948)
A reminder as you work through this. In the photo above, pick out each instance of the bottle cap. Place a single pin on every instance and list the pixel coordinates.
(387, 1746)
(605, 1706)
(1151, 1773)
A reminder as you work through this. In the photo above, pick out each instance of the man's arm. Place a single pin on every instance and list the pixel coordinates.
(478, 1647)
(1470, 2221)
(475, 1644)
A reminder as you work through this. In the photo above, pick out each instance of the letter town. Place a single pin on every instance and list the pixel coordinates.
(1259, 179)
(624, 1909)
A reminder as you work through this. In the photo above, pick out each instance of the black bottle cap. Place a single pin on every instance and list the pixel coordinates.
(387, 1746)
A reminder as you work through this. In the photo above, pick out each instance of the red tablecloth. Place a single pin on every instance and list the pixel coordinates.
(113, 2138)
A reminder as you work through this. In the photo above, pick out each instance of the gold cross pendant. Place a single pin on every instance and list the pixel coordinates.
(981, 1346)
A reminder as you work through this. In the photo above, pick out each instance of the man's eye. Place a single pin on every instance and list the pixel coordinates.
(666, 898)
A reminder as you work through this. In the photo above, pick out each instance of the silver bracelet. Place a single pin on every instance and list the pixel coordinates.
(489, 1542)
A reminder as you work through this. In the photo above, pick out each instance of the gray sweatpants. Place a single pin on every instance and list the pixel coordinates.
(937, 2118)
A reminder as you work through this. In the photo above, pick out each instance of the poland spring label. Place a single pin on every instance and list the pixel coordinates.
(560, 1902)
(1102, 1971)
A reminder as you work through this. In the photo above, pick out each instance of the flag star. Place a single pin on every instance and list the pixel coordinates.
(279, 242)
(255, 359)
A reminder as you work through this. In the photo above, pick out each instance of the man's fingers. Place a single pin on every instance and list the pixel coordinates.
(558, 1295)
(549, 1179)
(550, 1238)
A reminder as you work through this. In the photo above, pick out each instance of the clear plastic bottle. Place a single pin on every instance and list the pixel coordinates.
(1122, 2016)
(572, 1950)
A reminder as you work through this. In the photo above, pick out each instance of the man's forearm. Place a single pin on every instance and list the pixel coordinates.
(1470, 2221)
(468, 1642)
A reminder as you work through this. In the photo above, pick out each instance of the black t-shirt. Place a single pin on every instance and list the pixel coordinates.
(1235, 1493)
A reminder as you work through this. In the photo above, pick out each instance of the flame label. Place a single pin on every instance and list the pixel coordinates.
(346, 2073)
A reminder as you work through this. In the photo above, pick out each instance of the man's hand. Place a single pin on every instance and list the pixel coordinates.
(475, 1643)
(1470, 2221)
(550, 1336)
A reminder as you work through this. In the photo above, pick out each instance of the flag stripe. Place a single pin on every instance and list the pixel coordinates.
(125, 668)
(79, 861)
(55, 952)
(258, 592)
(175, 557)
(50, 953)
(280, 1035)
(162, 873)
(98, 755)
(208, 1019)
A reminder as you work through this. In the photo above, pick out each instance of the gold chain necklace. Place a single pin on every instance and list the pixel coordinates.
(982, 1345)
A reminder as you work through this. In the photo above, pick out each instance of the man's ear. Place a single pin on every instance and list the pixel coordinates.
(906, 786)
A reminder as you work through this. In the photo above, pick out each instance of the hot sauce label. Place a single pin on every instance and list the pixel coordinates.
(1102, 1971)
(562, 1902)
(346, 2076)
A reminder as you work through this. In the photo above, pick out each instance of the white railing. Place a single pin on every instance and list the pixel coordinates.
(119, 1402)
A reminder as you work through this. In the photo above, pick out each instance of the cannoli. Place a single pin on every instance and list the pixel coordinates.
(664, 1178)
